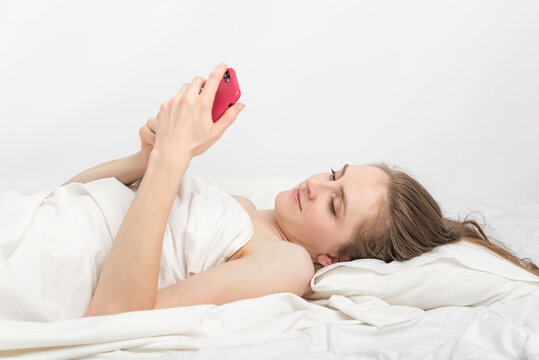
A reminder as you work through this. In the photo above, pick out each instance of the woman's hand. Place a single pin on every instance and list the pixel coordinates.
(184, 126)
(147, 139)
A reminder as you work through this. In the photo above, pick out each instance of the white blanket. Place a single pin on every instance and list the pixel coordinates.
(287, 326)
(54, 243)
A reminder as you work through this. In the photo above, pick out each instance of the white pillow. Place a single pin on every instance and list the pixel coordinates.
(461, 274)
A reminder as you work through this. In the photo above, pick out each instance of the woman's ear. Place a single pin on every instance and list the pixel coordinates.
(327, 259)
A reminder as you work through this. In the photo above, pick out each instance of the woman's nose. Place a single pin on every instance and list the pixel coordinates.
(314, 185)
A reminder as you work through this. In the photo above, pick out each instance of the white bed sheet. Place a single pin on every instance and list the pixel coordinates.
(504, 330)
(499, 331)
(286, 326)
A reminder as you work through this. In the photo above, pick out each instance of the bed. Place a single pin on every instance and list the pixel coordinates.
(500, 320)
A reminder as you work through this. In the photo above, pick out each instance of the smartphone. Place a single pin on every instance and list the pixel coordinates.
(228, 93)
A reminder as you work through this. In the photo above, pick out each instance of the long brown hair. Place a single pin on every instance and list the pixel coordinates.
(410, 223)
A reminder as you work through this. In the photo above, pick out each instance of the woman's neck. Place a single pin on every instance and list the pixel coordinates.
(268, 220)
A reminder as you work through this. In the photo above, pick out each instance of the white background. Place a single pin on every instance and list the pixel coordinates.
(448, 92)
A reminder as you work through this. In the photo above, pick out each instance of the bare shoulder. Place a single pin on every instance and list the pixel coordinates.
(246, 203)
(273, 253)
(298, 254)
(278, 249)
(278, 254)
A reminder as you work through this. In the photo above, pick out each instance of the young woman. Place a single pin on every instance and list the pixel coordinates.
(368, 211)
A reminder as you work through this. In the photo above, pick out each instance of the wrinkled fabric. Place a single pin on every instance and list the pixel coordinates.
(54, 243)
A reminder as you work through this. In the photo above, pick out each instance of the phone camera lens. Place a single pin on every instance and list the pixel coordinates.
(227, 77)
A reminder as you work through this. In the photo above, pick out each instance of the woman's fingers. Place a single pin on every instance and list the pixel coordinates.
(228, 118)
(182, 90)
(147, 134)
(183, 124)
(211, 86)
(178, 96)
(152, 124)
(196, 85)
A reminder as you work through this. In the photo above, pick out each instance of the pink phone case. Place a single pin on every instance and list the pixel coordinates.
(228, 93)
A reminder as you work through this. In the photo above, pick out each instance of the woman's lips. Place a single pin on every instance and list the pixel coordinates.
(296, 197)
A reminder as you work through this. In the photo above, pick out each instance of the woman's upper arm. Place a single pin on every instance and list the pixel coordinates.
(247, 277)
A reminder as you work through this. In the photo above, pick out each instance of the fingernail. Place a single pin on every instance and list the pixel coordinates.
(241, 107)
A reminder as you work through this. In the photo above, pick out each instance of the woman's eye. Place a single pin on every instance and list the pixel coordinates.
(332, 203)
(332, 207)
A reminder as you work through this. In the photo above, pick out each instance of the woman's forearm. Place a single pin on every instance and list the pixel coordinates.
(128, 281)
(127, 170)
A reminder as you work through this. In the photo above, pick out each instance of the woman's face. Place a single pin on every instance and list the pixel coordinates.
(314, 226)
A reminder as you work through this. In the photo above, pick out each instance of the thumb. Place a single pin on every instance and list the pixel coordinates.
(228, 118)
